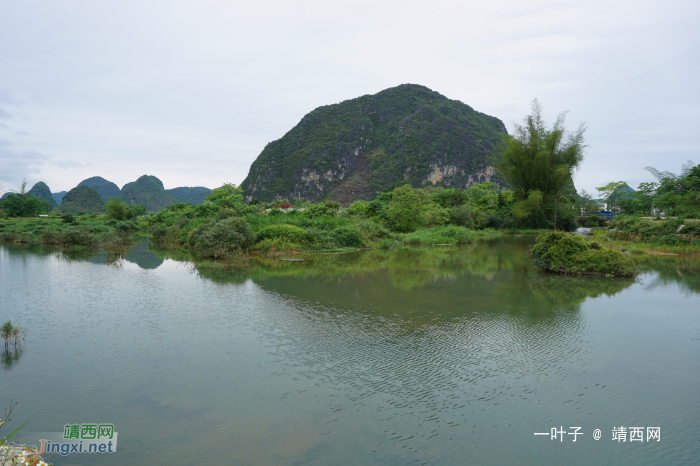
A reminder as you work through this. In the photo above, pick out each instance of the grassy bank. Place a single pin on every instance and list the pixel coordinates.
(639, 235)
(87, 231)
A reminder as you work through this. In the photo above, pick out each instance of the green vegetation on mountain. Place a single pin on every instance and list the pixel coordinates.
(41, 190)
(83, 199)
(104, 188)
(355, 149)
(147, 190)
(195, 195)
(58, 197)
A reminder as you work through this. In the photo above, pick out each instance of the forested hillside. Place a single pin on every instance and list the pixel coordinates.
(354, 149)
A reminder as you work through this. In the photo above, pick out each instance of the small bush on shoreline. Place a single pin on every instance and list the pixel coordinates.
(573, 254)
(222, 239)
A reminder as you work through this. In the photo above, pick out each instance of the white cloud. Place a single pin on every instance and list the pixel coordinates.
(192, 91)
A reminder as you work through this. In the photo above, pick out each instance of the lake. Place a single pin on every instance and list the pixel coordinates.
(437, 356)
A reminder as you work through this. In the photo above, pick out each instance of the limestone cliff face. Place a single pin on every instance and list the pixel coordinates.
(354, 149)
(451, 175)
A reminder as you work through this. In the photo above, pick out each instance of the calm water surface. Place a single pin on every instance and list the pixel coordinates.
(420, 356)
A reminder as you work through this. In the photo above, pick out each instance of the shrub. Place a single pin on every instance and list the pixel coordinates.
(205, 209)
(376, 207)
(462, 216)
(117, 243)
(68, 218)
(159, 232)
(51, 237)
(223, 238)
(451, 197)
(324, 208)
(77, 236)
(358, 208)
(225, 213)
(321, 239)
(410, 209)
(567, 223)
(572, 254)
(12, 336)
(116, 209)
(387, 243)
(372, 231)
(348, 237)
(692, 227)
(289, 232)
(123, 227)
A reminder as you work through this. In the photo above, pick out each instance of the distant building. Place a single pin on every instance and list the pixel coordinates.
(622, 193)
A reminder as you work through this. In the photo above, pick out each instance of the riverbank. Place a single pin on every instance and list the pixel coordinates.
(86, 231)
(272, 235)
(647, 236)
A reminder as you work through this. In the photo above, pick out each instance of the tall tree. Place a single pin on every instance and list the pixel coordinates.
(22, 188)
(116, 209)
(678, 194)
(540, 158)
(538, 162)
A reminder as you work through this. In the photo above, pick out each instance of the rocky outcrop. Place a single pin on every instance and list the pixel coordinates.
(354, 149)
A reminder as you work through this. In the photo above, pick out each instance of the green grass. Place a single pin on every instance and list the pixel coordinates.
(650, 237)
(441, 235)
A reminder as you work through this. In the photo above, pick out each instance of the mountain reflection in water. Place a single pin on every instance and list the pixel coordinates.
(442, 355)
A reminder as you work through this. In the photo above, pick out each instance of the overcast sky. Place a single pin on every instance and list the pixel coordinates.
(192, 91)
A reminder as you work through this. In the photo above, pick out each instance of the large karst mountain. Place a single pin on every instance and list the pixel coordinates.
(354, 149)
